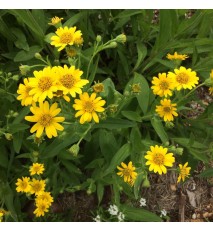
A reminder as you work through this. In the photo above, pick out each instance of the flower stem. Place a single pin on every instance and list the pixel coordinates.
(85, 133)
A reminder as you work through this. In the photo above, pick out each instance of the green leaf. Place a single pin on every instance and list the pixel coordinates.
(131, 115)
(27, 55)
(159, 129)
(71, 167)
(73, 20)
(3, 156)
(115, 123)
(17, 141)
(207, 173)
(119, 157)
(128, 13)
(142, 52)
(187, 142)
(48, 37)
(139, 215)
(22, 113)
(137, 185)
(100, 191)
(143, 96)
(13, 128)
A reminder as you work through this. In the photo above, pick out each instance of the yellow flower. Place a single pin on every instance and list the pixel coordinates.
(162, 85)
(184, 78)
(43, 84)
(60, 93)
(44, 116)
(23, 185)
(167, 110)
(66, 36)
(45, 196)
(158, 158)
(69, 80)
(211, 88)
(176, 56)
(128, 172)
(55, 20)
(71, 52)
(87, 107)
(36, 168)
(184, 172)
(42, 208)
(1, 216)
(37, 186)
(24, 89)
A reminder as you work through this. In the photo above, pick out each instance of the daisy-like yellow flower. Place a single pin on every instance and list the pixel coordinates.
(69, 80)
(23, 91)
(37, 186)
(87, 107)
(1, 216)
(184, 78)
(23, 185)
(184, 172)
(43, 84)
(36, 168)
(45, 118)
(42, 208)
(55, 20)
(127, 172)
(158, 159)
(162, 85)
(167, 110)
(65, 36)
(176, 56)
(45, 196)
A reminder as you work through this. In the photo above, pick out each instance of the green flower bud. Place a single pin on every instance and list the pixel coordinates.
(8, 136)
(98, 38)
(15, 77)
(121, 38)
(179, 151)
(146, 183)
(35, 154)
(24, 69)
(169, 124)
(38, 56)
(136, 88)
(9, 74)
(209, 82)
(113, 45)
(74, 150)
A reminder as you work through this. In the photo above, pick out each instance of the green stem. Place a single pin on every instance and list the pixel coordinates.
(190, 92)
(85, 133)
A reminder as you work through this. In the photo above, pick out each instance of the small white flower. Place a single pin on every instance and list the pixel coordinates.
(121, 217)
(97, 218)
(163, 213)
(113, 210)
(142, 202)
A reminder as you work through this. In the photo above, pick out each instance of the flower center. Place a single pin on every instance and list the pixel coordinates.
(88, 106)
(36, 169)
(164, 85)
(42, 207)
(28, 88)
(44, 83)
(182, 78)
(158, 159)
(183, 172)
(24, 185)
(67, 81)
(45, 120)
(37, 187)
(66, 38)
(127, 172)
(167, 109)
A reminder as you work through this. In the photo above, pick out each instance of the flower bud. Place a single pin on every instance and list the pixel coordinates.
(136, 88)
(15, 77)
(24, 69)
(146, 183)
(169, 125)
(74, 150)
(8, 136)
(121, 38)
(209, 82)
(98, 88)
(98, 38)
(38, 56)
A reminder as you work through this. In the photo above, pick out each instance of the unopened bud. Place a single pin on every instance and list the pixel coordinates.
(146, 183)
(98, 88)
(8, 136)
(179, 151)
(113, 45)
(35, 154)
(113, 108)
(98, 38)
(209, 82)
(136, 88)
(15, 77)
(24, 69)
(38, 56)
(169, 124)
(121, 38)
(74, 150)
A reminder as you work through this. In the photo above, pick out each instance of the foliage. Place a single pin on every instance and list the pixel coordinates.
(122, 50)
